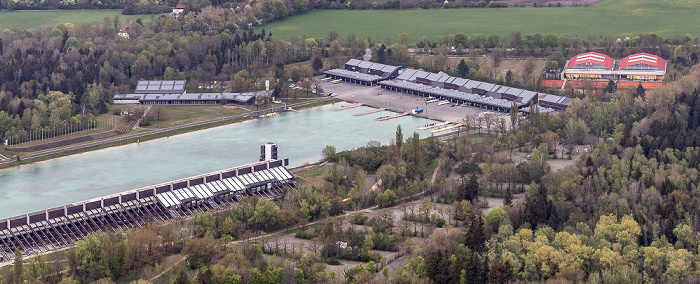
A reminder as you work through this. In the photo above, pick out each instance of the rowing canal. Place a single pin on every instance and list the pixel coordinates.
(300, 136)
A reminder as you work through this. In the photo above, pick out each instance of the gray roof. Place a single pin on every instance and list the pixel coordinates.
(237, 97)
(512, 91)
(448, 93)
(434, 77)
(460, 81)
(472, 84)
(486, 86)
(160, 87)
(406, 74)
(127, 96)
(365, 64)
(353, 74)
(556, 99)
(388, 68)
(354, 62)
(526, 96)
(420, 74)
(410, 75)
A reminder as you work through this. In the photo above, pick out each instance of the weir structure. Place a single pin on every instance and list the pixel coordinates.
(61, 227)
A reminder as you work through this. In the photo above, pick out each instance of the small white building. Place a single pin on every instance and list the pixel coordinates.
(177, 11)
(124, 32)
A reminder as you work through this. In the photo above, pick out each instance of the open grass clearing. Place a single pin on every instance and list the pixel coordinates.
(32, 19)
(184, 114)
(666, 18)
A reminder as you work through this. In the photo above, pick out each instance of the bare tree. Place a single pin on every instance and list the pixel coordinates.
(316, 84)
(528, 68)
(468, 120)
(479, 120)
(489, 119)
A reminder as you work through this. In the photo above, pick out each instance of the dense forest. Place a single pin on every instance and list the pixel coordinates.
(624, 212)
(85, 65)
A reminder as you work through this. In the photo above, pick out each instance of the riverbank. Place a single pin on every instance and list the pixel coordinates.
(146, 136)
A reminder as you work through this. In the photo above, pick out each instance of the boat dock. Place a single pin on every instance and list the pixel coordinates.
(434, 125)
(446, 128)
(347, 107)
(392, 116)
(369, 112)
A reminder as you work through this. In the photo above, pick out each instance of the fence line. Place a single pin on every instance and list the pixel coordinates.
(21, 136)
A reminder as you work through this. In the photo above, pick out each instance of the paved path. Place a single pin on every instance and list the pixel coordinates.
(120, 138)
(136, 125)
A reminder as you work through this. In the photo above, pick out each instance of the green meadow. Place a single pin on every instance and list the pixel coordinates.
(667, 18)
(33, 19)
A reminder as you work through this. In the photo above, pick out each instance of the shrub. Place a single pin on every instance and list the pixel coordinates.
(333, 261)
(307, 234)
(497, 4)
(359, 219)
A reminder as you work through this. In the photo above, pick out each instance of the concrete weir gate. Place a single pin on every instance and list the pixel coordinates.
(56, 228)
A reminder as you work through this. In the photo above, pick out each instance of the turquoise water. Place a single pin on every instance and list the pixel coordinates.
(300, 136)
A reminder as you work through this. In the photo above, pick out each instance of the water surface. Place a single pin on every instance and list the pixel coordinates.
(300, 136)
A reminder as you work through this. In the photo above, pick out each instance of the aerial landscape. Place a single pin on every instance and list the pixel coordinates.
(338, 141)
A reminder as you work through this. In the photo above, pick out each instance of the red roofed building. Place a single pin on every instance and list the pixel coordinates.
(591, 60)
(643, 66)
(124, 31)
(593, 65)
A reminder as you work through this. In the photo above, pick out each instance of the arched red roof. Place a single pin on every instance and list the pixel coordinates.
(591, 59)
(643, 59)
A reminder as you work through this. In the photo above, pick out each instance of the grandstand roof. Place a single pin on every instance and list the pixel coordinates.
(591, 60)
(643, 61)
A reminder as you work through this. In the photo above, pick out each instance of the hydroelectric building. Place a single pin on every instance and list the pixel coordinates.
(55, 228)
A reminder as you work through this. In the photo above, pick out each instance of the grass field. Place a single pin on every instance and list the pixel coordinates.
(179, 115)
(667, 18)
(34, 19)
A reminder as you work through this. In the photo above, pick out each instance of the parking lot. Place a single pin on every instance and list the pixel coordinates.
(398, 102)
